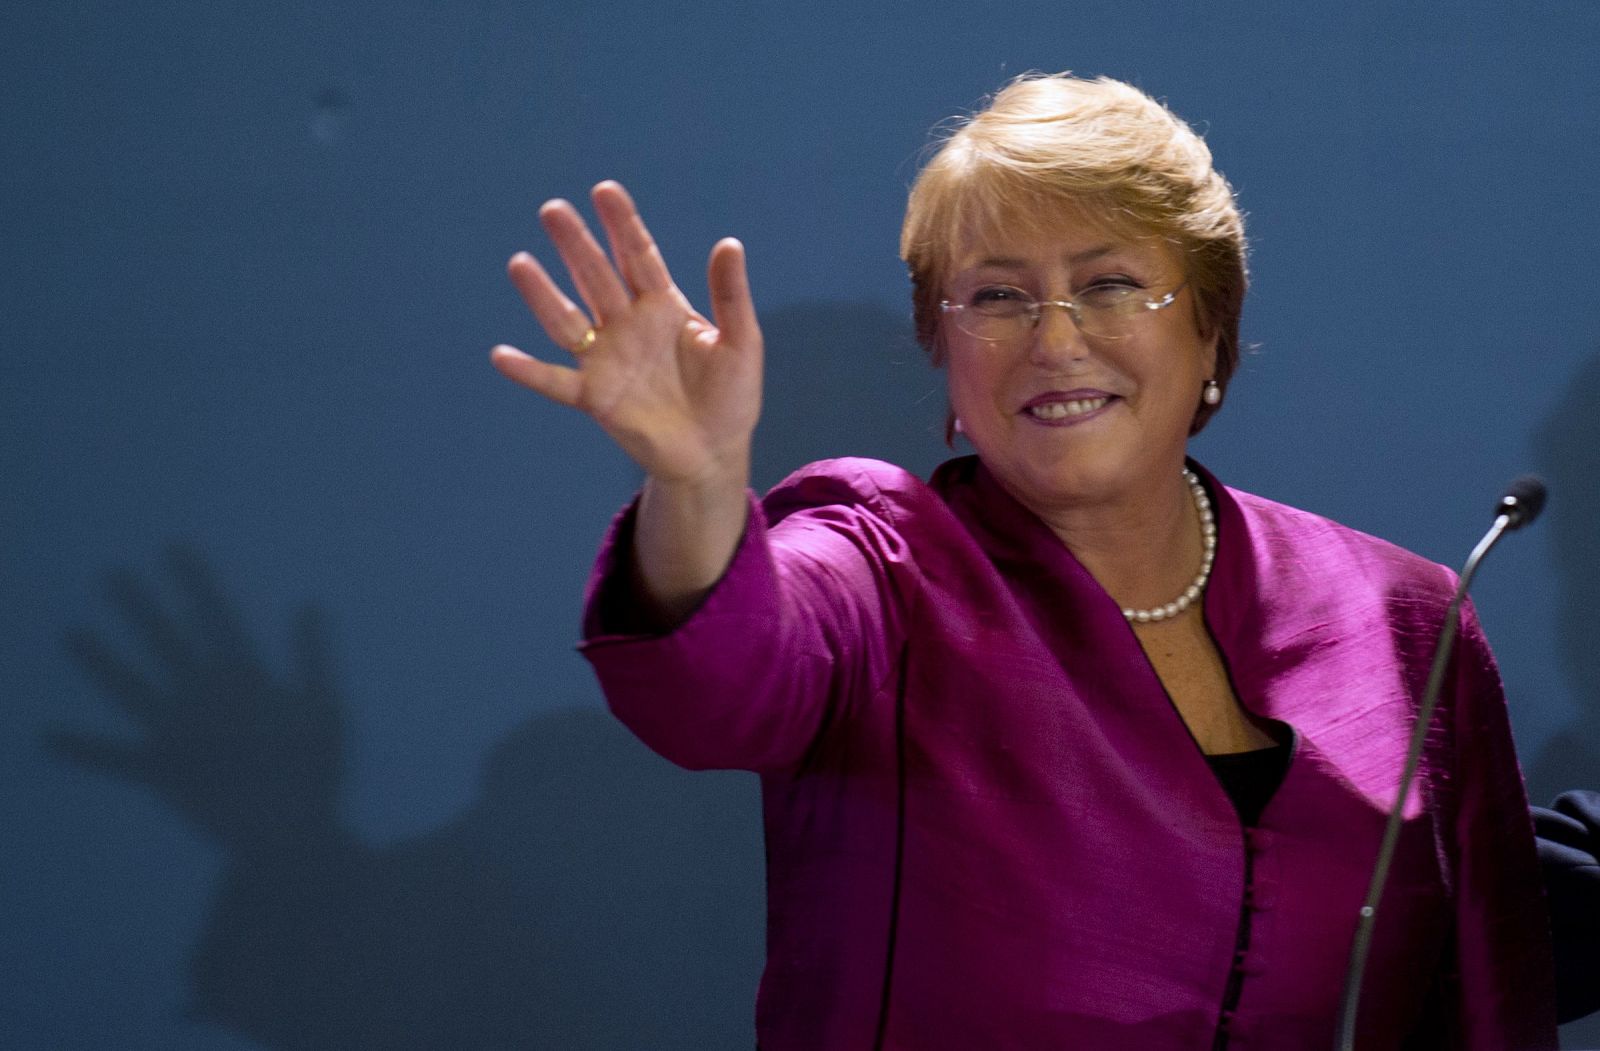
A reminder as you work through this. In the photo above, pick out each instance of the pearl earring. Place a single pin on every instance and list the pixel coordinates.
(955, 426)
(1212, 395)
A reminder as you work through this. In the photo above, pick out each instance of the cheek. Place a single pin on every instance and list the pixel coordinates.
(970, 381)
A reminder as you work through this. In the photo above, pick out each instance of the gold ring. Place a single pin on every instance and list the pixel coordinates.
(586, 342)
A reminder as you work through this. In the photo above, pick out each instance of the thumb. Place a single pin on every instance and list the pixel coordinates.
(556, 382)
(731, 306)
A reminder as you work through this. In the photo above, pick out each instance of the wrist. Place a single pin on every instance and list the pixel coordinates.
(716, 479)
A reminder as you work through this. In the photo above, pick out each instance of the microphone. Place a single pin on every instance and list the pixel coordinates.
(1521, 504)
(1523, 501)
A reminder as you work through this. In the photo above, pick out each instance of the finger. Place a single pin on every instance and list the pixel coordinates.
(556, 382)
(157, 627)
(216, 617)
(103, 755)
(731, 306)
(559, 316)
(631, 244)
(586, 261)
(128, 689)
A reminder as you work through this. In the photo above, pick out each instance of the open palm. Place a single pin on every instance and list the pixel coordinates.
(680, 394)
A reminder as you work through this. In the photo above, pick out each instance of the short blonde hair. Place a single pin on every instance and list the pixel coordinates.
(1049, 143)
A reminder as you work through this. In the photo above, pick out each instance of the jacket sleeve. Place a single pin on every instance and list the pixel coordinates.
(1503, 935)
(1569, 856)
(803, 624)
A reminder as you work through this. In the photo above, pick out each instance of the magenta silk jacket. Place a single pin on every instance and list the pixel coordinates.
(988, 827)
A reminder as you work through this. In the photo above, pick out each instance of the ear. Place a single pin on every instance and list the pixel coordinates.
(1209, 355)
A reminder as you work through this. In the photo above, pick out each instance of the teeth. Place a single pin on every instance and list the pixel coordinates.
(1057, 410)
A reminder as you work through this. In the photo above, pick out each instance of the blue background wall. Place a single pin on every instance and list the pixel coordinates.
(296, 751)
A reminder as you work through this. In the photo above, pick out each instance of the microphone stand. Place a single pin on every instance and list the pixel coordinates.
(1517, 508)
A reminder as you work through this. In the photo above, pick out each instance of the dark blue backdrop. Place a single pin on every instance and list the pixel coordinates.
(328, 774)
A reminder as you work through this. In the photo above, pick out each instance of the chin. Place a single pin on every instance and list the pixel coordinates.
(1086, 476)
(1042, 485)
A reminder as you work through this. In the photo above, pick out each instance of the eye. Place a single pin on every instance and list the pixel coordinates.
(999, 299)
(1109, 292)
(1115, 281)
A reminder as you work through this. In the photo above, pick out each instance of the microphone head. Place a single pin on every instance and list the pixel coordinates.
(1522, 502)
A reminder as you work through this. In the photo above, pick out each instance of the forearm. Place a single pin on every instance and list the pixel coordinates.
(740, 678)
(685, 536)
(803, 614)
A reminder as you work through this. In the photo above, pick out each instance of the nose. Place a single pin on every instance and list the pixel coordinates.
(1057, 340)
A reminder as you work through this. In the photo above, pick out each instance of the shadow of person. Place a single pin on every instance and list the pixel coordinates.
(1567, 448)
(845, 379)
(593, 896)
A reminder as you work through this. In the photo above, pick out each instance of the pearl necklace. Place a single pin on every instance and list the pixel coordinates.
(1208, 537)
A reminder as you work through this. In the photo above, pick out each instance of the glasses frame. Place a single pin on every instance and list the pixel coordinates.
(1073, 307)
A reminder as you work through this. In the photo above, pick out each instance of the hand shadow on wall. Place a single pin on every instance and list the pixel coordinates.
(1567, 447)
(594, 896)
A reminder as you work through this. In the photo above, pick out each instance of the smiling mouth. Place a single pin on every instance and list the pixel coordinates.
(1060, 410)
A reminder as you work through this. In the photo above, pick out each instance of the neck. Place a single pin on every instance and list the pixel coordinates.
(1143, 550)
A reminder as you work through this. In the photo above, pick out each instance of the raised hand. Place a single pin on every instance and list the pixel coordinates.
(680, 394)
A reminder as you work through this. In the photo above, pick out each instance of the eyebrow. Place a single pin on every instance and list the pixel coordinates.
(1013, 263)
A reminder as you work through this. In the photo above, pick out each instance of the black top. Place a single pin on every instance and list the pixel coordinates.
(1250, 778)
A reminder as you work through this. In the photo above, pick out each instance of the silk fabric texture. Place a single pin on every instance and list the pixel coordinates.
(988, 826)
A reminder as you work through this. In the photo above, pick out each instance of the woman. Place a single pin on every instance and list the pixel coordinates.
(1070, 746)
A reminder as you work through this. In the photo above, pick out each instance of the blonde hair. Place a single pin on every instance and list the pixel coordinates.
(1046, 144)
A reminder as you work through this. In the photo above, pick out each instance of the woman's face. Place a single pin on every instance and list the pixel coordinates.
(1065, 420)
